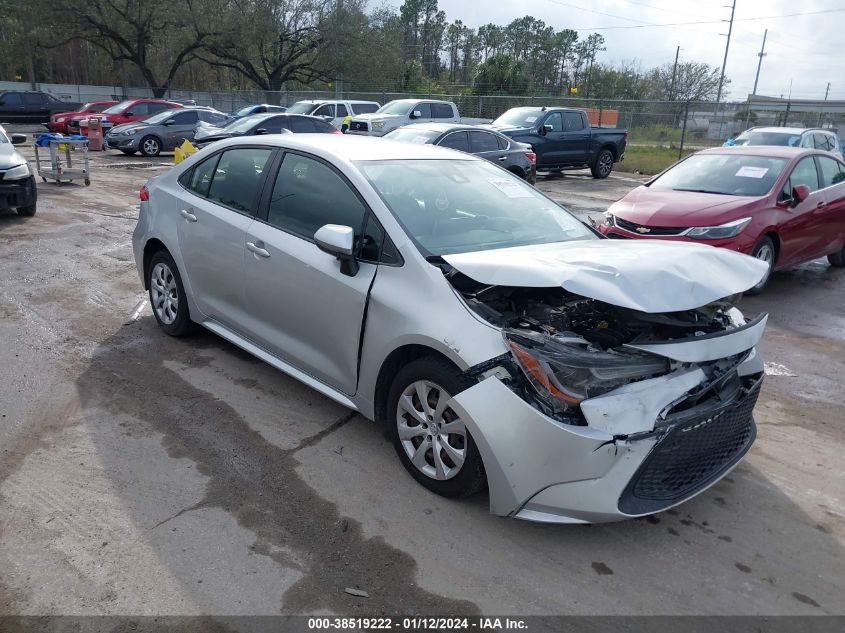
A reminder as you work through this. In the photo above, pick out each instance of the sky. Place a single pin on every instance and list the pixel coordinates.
(805, 50)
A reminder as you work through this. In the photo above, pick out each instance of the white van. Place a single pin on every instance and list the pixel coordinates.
(404, 112)
(333, 110)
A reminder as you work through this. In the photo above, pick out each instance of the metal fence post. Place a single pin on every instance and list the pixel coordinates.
(684, 130)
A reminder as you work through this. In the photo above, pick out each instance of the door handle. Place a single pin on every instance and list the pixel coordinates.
(190, 217)
(257, 247)
(821, 205)
(503, 157)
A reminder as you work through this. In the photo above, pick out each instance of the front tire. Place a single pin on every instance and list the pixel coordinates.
(764, 250)
(167, 295)
(837, 259)
(150, 146)
(603, 164)
(432, 442)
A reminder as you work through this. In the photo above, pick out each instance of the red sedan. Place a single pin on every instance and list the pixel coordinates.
(58, 122)
(784, 205)
(127, 112)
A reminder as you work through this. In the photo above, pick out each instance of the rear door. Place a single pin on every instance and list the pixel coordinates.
(832, 228)
(456, 140)
(443, 113)
(486, 146)
(217, 204)
(576, 138)
(301, 307)
(35, 106)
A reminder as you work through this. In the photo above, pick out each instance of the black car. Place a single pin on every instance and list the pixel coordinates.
(31, 106)
(267, 123)
(517, 158)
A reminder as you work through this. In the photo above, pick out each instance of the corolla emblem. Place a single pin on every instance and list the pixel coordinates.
(643, 229)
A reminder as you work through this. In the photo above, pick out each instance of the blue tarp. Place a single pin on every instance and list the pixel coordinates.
(43, 140)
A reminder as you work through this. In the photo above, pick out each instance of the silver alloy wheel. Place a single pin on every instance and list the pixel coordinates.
(150, 146)
(605, 163)
(432, 434)
(767, 254)
(164, 293)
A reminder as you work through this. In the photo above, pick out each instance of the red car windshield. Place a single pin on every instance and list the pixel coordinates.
(726, 174)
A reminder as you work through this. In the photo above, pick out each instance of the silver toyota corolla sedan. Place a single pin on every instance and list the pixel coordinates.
(505, 344)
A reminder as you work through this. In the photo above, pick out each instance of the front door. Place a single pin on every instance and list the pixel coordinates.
(553, 142)
(799, 234)
(183, 127)
(215, 209)
(302, 308)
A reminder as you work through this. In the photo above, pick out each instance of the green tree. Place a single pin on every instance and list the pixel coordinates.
(501, 74)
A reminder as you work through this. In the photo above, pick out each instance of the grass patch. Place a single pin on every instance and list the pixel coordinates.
(650, 160)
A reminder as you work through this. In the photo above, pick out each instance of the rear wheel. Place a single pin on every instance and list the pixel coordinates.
(167, 295)
(27, 212)
(603, 164)
(764, 250)
(431, 440)
(837, 259)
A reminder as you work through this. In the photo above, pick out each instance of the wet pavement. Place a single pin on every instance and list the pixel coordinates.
(145, 475)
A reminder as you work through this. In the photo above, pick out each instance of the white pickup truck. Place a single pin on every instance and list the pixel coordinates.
(403, 112)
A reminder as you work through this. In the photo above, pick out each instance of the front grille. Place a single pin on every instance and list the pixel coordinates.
(358, 126)
(647, 230)
(693, 454)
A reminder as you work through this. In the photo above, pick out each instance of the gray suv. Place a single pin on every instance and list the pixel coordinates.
(810, 138)
(161, 132)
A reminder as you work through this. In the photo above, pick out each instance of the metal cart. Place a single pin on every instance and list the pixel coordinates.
(66, 156)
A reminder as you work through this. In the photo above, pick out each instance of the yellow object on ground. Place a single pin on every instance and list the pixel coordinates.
(183, 151)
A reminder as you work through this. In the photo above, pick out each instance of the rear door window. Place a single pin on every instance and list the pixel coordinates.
(236, 179)
(823, 141)
(273, 125)
(32, 99)
(456, 140)
(574, 122)
(805, 173)
(185, 118)
(199, 178)
(503, 142)
(483, 142)
(441, 111)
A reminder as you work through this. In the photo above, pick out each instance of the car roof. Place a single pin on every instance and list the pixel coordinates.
(349, 148)
(447, 127)
(769, 151)
(543, 108)
(418, 100)
(788, 130)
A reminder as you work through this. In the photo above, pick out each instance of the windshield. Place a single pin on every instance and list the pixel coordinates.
(518, 117)
(3, 137)
(245, 111)
(302, 107)
(727, 174)
(395, 107)
(118, 107)
(459, 206)
(769, 138)
(412, 135)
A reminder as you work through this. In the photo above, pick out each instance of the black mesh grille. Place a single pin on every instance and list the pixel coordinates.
(358, 126)
(647, 230)
(691, 455)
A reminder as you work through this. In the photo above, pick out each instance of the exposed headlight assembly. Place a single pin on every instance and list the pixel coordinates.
(608, 219)
(730, 229)
(564, 371)
(17, 172)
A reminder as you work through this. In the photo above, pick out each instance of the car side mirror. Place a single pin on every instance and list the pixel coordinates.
(170, 122)
(338, 240)
(18, 139)
(546, 129)
(260, 131)
(799, 194)
(416, 114)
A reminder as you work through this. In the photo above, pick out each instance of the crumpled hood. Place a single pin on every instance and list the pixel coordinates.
(210, 131)
(9, 156)
(646, 275)
(665, 207)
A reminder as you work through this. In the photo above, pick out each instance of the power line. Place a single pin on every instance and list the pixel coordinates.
(651, 6)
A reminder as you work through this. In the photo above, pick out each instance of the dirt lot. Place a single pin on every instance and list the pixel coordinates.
(145, 475)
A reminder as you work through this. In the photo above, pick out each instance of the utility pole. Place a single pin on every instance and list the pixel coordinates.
(725, 60)
(761, 55)
(826, 92)
(674, 72)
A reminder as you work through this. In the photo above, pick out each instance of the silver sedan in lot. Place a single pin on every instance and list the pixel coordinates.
(503, 342)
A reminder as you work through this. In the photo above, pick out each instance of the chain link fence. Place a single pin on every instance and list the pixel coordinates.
(673, 124)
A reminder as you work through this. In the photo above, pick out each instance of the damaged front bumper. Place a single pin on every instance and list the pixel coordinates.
(646, 446)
